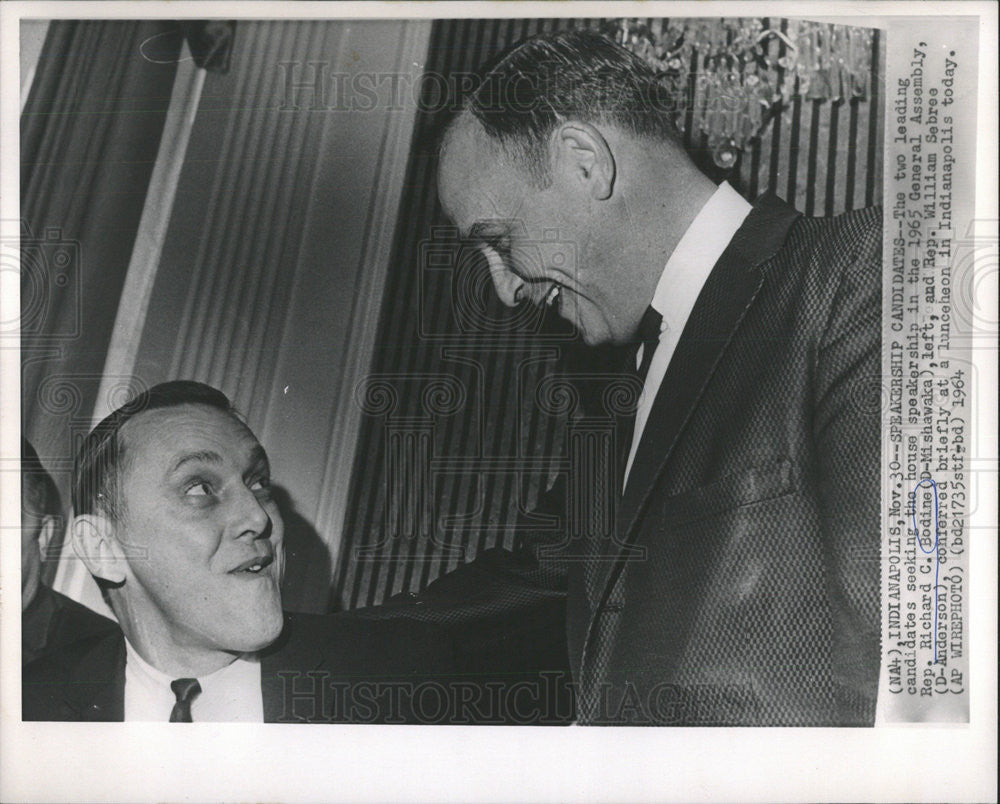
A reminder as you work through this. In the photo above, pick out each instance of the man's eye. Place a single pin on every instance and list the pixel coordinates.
(199, 489)
(261, 484)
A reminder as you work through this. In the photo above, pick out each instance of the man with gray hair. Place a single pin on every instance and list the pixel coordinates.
(739, 582)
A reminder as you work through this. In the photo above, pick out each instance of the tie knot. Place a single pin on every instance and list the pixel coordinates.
(185, 689)
(649, 326)
(648, 337)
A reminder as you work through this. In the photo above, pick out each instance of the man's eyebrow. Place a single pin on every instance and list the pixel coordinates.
(198, 456)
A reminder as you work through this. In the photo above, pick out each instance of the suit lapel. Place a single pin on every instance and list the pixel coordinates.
(728, 293)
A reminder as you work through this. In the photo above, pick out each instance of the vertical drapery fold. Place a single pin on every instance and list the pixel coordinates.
(90, 131)
(282, 208)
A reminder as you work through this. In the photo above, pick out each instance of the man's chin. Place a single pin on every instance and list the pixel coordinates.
(260, 634)
(263, 620)
(589, 334)
(591, 338)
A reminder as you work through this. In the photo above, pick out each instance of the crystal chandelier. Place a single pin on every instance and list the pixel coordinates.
(733, 75)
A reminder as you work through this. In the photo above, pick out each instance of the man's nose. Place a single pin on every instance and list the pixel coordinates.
(250, 519)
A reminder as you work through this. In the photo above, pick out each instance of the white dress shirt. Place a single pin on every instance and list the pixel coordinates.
(229, 695)
(680, 283)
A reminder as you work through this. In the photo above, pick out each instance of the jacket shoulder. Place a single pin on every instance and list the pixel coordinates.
(824, 259)
(850, 238)
(76, 622)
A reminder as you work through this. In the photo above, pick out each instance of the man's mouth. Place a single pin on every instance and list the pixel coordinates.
(552, 297)
(252, 566)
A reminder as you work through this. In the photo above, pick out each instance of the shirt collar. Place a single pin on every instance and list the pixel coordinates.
(695, 255)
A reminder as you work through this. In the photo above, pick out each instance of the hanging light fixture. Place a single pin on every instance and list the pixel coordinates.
(732, 75)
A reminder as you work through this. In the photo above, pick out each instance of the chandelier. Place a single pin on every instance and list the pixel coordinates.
(733, 75)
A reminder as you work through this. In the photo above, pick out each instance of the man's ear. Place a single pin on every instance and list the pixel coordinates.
(584, 155)
(94, 541)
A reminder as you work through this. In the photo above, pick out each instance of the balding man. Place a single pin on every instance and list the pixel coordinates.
(175, 520)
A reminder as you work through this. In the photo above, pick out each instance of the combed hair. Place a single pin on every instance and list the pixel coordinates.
(39, 496)
(580, 75)
(100, 459)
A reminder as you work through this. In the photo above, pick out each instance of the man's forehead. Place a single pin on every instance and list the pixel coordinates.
(470, 180)
(160, 435)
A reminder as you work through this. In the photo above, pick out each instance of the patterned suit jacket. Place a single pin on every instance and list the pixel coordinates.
(740, 582)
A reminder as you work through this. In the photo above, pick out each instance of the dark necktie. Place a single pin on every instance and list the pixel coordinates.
(186, 690)
(648, 338)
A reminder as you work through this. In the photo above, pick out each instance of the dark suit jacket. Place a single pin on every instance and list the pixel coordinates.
(53, 620)
(334, 669)
(740, 583)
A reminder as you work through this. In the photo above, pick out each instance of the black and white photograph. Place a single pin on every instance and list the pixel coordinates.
(450, 378)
